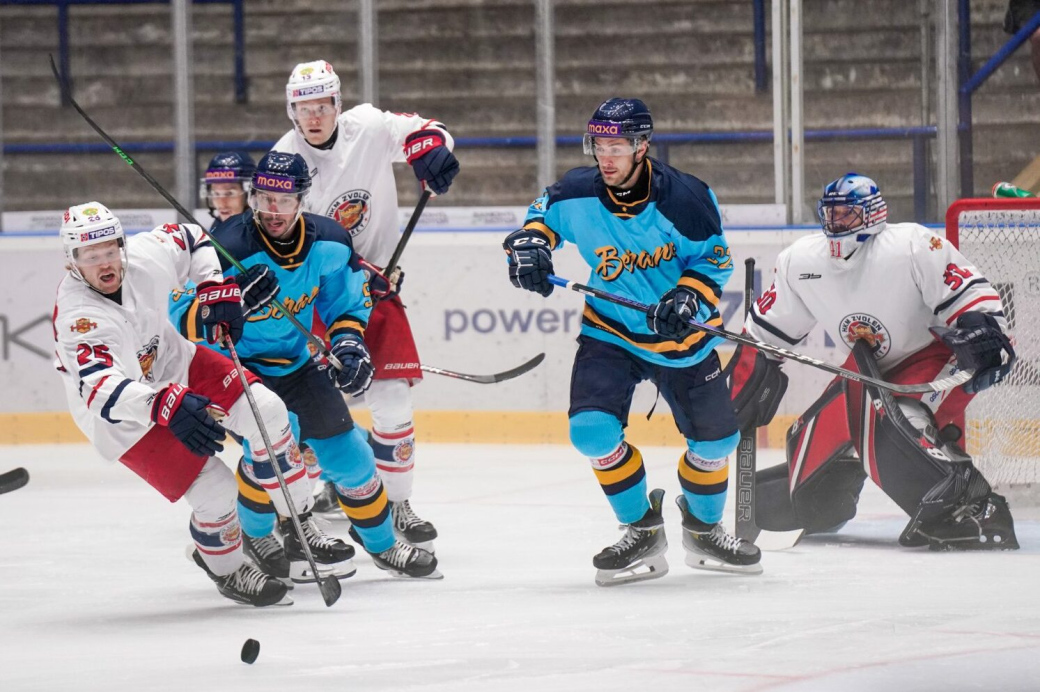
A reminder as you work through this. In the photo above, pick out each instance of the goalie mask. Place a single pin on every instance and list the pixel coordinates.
(84, 229)
(850, 212)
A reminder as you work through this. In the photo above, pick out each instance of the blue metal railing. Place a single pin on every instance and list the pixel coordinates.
(969, 83)
(761, 78)
(662, 142)
(238, 17)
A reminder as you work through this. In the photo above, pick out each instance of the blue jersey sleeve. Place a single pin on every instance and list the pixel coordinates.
(706, 262)
(343, 302)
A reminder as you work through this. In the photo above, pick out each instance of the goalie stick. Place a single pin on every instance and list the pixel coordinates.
(940, 385)
(13, 479)
(488, 379)
(747, 456)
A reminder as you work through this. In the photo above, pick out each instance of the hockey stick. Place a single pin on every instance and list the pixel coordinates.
(940, 385)
(13, 479)
(329, 586)
(315, 341)
(747, 456)
(488, 379)
(407, 232)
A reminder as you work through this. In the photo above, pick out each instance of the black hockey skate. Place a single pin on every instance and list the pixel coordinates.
(247, 585)
(640, 554)
(333, 556)
(985, 524)
(410, 528)
(404, 560)
(326, 501)
(267, 554)
(709, 547)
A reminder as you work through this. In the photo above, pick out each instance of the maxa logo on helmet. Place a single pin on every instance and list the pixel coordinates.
(603, 128)
(97, 233)
(218, 175)
(273, 183)
(307, 91)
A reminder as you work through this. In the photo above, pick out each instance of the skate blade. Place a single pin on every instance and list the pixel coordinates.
(778, 540)
(643, 570)
(300, 572)
(712, 564)
(435, 575)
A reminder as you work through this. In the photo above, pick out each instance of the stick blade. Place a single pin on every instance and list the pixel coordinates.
(772, 541)
(520, 369)
(330, 590)
(13, 480)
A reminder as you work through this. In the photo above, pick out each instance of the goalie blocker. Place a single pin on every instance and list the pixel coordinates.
(907, 449)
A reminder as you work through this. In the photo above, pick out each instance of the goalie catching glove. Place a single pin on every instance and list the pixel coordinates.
(757, 385)
(977, 342)
(185, 413)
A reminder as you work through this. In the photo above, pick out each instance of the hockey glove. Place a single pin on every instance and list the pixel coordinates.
(259, 288)
(356, 375)
(382, 286)
(182, 411)
(668, 317)
(977, 342)
(431, 159)
(530, 261)
(757, 385)
(220, 309)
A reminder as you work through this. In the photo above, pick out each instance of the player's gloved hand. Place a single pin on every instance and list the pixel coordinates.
(431, 159)
(977, 342)
(220, 309)
(357, 372)
(382, 286)
(259, 288)
(184, 413)
(669, 315)
(757, 384)
(530, 261)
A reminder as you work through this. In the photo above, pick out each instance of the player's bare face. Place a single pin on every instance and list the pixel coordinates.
(276, 211)
(101, 265)
(615, 158)
(227, 199)
(317, 119)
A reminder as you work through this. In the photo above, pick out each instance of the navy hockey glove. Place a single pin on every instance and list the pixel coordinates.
(382, 286)
(530, 261)
(977, 342)
(220, 309)
(669, 315)
(431, 159)
(757, 384)
(356, 375)
(184, 412)
(259, 288)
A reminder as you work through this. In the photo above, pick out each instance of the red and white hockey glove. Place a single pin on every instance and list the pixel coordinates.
(185, 413)
(220, 309)
(432, 161)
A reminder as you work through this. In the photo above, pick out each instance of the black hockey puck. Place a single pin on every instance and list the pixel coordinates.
(250, 650)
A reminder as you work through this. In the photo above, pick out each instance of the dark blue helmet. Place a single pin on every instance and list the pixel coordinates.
(282, 172)
(230, 167)
(628, 118)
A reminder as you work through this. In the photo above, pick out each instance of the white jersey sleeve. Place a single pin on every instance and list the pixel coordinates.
(189, 249)
(779, 316)
(950, 284)
(93, 356)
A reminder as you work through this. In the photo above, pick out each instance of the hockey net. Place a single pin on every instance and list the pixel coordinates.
(1002, 238)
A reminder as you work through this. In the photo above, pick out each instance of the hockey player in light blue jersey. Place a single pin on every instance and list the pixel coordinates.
(310, 262)
(653, 234)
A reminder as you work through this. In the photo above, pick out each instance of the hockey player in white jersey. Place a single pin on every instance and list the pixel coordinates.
(145, 396)
(350, 155)
(925, 311)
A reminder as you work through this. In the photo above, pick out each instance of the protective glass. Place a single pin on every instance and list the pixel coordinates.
(286, 203)
(95, 255)
(307, 111)
(625, 148)
(225, 194)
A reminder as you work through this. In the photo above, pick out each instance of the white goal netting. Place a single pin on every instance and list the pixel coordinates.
(1002, 238)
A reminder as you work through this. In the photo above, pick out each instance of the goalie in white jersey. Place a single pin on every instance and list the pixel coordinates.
(145, 396)
(350, 156)
(925, 312)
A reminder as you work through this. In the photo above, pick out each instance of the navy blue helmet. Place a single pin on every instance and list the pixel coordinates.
(627, 118)
(282, 172)
(230, 167)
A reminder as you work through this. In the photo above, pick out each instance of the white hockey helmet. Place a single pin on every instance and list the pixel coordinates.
(309, 81)
(89, 224)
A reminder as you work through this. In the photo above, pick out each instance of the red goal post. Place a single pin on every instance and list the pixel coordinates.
(1001, 237)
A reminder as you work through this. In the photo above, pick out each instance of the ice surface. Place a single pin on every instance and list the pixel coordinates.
(97, 595)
